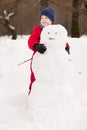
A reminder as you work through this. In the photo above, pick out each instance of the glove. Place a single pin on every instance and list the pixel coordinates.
(67, 48)
(41, 48)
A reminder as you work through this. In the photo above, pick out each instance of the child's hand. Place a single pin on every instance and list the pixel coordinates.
(41, 48)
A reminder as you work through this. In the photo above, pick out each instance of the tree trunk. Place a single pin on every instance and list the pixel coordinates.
(75, 19)
(11, 30)
(44, 3)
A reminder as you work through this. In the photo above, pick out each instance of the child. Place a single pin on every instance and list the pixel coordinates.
(47, 17)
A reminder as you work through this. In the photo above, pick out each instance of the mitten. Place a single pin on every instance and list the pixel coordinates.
(41, 48)
(67, 48)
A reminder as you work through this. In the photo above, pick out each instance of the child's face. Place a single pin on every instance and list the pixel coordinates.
(45, 21)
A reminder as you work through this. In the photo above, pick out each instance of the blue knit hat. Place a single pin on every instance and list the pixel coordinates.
(49, 12)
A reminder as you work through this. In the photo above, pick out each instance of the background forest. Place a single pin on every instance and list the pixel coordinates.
(25, 14)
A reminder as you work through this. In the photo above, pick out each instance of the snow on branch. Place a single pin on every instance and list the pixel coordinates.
(8, 15)
(5, 20)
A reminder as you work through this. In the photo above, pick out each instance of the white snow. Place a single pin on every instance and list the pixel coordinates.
(15, 113)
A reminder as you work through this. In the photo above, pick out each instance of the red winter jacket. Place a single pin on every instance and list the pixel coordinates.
(34, 39)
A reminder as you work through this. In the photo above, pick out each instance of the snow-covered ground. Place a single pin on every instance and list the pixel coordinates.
(14, 82)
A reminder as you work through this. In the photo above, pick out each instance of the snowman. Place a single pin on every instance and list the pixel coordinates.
(54, 66)
(52, 100)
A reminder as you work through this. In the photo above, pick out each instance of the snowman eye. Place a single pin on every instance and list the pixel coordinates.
(48, 32)
(55, 32)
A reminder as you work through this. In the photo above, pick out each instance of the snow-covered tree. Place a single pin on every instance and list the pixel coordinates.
(5, 20)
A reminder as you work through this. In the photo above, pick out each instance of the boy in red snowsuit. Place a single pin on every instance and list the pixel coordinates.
(47, 17)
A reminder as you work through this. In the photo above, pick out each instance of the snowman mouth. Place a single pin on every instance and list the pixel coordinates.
(50, 38)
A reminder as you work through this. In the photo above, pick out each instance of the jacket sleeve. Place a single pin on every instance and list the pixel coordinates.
(34, 38)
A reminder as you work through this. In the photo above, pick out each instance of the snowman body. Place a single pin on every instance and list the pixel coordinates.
(51, 98)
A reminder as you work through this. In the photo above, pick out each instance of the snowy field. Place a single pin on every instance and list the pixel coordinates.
(14, 82)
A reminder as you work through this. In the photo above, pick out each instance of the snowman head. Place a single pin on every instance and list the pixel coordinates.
(54, 35)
